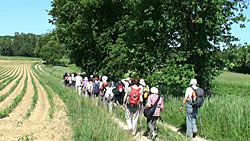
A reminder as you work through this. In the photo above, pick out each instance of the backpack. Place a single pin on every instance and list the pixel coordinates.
(145, 92)
(120, 88)
(134, 96)
(89, 85)
(197, 97)
(96, 86)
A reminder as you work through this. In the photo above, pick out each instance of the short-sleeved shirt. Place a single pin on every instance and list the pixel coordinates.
(189, 91)
(78, 80)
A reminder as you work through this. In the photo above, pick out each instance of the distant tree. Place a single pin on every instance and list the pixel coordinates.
(6, 46)
(51, 52)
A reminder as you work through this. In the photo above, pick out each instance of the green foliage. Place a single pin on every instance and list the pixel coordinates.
(178, 40)
(51, 52)
(238, 58)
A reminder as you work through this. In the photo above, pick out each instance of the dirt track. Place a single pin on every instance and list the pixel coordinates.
(38, 126)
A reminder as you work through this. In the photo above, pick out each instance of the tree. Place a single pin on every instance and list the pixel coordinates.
(51, 52)
(167, 42)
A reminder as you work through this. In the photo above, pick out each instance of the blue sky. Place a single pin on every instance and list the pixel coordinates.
(29, 16)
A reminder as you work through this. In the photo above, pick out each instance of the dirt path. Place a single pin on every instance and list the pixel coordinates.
(38, 126)
(174, 129)
(124, 126)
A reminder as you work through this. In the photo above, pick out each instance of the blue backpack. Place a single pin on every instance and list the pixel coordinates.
(96, 86)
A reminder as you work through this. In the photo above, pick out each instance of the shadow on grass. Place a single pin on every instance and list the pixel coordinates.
(182, 130)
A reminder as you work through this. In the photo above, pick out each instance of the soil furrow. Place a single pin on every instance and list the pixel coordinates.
(40, 112)
(18, 89)
(19, 112)
(7, 88)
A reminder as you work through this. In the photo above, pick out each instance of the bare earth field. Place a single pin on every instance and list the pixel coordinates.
(38, 126)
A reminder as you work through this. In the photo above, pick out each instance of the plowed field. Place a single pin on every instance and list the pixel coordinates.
(19, 89)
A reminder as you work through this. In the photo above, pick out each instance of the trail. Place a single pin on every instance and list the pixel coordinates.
(172, 128)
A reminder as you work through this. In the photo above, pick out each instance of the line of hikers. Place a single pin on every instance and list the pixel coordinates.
(136, 98)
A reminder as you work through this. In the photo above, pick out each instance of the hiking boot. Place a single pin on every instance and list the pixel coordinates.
(194, 134)
(154, 135)
(146, 133)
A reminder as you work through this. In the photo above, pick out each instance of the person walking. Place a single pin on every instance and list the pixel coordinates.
(131, 102)
(109, 97)
(119, 91)
(191, 112)
(103, 84)
(96, 89)
(84, 84)
(151, 122)
(78, 80)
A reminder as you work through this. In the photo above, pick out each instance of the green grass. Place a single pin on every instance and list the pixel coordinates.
(229, 83)
(88, 121)
(19, 58)
(58, 71)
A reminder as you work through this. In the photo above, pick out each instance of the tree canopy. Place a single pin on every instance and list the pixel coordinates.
(164, 42)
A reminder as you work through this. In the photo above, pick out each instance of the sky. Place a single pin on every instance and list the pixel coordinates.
(30, 16)
(27, 16)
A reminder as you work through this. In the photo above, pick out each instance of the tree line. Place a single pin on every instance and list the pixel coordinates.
(45, 46)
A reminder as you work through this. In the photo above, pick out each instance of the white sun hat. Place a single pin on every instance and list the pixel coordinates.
(154, 90)
(142, 82)
(193, 82)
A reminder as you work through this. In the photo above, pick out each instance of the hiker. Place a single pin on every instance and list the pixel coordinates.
(89, 87)
(84, 83)
(78, 80)
(126, 82)
(109, 96)
(145, 88)
(69, 80)
(103, 84)
(65, 78)
(151, 121)
(131, 101)
(96, 89)
(73, 80)
(191, 111)
(119, 91)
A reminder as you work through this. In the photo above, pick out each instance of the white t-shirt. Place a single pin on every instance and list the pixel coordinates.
(189, 91)
(78, 80)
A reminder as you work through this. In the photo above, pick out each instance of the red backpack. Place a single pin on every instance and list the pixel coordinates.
(120, 88)
(134, 96)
